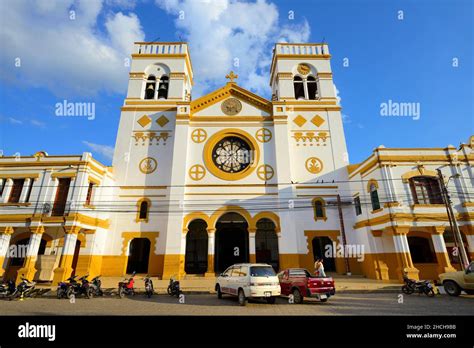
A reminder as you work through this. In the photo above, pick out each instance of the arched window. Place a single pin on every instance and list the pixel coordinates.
(374, 197)
(163, 87)
(319, 206)
(150, 87)
(143, 209)
(299, 88)
(425, 190)
(312, 87)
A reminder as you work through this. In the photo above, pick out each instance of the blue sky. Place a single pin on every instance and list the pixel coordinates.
(82, 60)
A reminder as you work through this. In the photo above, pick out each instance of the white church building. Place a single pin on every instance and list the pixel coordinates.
(199, 184)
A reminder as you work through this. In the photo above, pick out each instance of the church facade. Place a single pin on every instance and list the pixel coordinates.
(198, 185)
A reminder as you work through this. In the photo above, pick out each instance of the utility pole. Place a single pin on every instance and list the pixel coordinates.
(453, 222)
(343, 235)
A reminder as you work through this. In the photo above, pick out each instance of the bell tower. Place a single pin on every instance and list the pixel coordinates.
(303, 93)
(159, 92)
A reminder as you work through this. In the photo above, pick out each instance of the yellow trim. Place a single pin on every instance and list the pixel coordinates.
(139, 203)
(215, 138)
(231, 89)
(63, 175)
(323, 206)
(19, 176)
(94, 180)
(316, 187)
(418, 172)
(374, 182)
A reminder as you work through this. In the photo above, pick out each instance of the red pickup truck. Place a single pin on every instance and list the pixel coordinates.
(300, 283)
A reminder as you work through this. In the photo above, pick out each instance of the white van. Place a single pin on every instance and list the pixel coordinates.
(249, 280)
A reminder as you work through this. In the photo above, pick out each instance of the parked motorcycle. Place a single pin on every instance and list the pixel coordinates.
(173, 288)
(76, 288)
(61, 291)
(7, 288)
(418, 286)
(148, 286)
(95, 284)
(126, 287)
(24, 289)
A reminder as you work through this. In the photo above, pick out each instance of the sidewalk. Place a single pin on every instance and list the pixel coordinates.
(344, 284)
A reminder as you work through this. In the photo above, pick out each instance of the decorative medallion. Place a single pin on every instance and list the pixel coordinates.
(299, 120)
(197, 172)
(144, 121)
(231, 154)
(162, 121)
(148, 165)
(314, 165)
(231, 106)
(199, 135)
(303, 69)
(265, 172)
(263, 135)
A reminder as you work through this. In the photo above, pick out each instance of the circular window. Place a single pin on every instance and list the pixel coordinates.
(231, 154)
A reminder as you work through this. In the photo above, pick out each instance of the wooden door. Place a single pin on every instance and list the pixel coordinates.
(61, 197)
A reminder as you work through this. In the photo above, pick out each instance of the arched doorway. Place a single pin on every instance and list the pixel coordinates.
(138, 255)
(266, 243)
(196, 248)
(320, 246)
(16, 258)
(232, 242)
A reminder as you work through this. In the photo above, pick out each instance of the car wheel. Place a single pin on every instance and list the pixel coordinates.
(297, 298)
(219, 292)
(270, 300)
(241, 297)
(452, 288)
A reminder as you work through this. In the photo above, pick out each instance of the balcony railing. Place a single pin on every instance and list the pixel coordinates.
(300, 49)
(160, 48)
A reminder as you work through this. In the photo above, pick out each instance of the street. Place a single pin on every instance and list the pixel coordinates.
(208, 304)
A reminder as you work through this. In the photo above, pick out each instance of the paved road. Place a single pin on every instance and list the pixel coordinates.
(204, 304)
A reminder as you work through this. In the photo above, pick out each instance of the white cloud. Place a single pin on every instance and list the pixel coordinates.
(14, 120)
(105, 150)
(223, 33)
(70, 57)
(38, 124)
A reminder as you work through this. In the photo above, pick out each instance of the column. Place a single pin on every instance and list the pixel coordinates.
(182, 253)
(28, 270)
(7, 190)
(468, 232)
(24, 191)
(252, 249)
(211, 238)
(442, 257)
(5, 236)
(402, 249)
(64, 269)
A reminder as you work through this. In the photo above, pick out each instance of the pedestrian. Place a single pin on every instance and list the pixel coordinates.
(319, 268)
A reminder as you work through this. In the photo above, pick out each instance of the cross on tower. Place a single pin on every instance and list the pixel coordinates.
(231, 76)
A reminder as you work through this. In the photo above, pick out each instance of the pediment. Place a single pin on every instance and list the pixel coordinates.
(212, 103)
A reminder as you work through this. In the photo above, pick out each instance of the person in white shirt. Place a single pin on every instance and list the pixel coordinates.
(319, 268)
